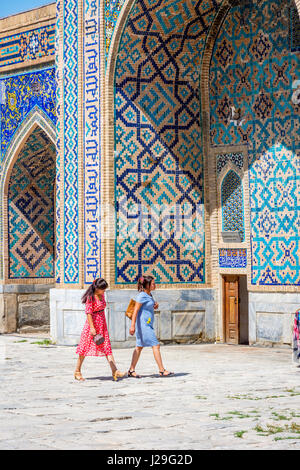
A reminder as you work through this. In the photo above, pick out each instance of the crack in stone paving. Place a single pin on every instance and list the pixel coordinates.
(109, 419)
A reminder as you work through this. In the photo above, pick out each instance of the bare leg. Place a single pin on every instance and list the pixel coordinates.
(112, 363)
(114, 370)
(157, 356)
(77, 373)
(135, 357)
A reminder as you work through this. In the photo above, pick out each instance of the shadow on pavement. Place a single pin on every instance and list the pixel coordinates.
(153, 376)
(109, 377)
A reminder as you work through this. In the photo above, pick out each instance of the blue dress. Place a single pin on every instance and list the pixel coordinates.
(145, 335)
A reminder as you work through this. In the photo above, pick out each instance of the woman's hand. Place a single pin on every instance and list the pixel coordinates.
(132, 330)
(155, 305)
(93, 332)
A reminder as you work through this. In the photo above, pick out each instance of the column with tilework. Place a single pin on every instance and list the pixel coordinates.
(78, 163)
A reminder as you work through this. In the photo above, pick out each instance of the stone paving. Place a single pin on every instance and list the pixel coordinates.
(221, 397)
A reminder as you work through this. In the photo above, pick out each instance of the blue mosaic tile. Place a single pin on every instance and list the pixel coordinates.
(252, 72)
(27, 45)
(232, 204)
(233, 258)
(158, 142)
(21, 93)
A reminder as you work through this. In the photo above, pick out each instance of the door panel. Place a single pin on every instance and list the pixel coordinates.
(232, 310)
(231, 306)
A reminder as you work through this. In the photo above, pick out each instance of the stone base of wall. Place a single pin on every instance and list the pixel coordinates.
(24, 308)
(183, 316)
(271, 317)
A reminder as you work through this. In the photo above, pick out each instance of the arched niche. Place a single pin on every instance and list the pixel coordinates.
(38, 133)
(27, 188)
(232, 204)
(30, 202)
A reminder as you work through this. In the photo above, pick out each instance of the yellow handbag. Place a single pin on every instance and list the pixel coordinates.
(130, 309)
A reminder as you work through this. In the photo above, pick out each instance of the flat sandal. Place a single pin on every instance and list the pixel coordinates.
(161, 373)
(136, 376)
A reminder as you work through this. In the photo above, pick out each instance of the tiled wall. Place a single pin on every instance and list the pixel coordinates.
(27, 46)
(253, 74)
(22, 93)
(158, 142)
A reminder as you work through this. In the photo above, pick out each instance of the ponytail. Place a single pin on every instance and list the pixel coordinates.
(144, 282)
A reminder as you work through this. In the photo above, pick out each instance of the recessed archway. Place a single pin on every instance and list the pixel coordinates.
(36, 118)
(29, 200)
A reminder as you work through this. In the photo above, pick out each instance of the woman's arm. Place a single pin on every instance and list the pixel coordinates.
(133, 318)
(92, 328)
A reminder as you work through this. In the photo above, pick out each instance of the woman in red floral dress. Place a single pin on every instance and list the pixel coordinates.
(95, 325)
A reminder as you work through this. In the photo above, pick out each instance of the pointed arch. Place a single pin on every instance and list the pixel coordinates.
(156, 115)
(232, 203)
(35, 119)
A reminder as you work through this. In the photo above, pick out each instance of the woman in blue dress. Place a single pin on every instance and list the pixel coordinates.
(142, 325)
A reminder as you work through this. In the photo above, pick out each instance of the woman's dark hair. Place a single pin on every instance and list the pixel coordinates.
(90, 292)
(144, 282)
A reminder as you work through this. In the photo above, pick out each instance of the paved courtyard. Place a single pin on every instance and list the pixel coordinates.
(221, 397)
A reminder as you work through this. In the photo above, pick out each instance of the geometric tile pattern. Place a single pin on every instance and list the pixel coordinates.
(92, 142)
(70, 120)
(158, 146)
(236, 158)
(28, 45)
(232, 204)
(252, 70)
(31, 210)
(232, 258)
(21, 94)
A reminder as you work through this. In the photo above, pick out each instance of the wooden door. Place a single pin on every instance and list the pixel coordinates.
(231, 307)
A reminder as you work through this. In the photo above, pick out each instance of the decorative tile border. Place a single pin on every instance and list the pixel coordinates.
(92, 142)
(58, 143)
(112, 11)
(27, 45)
(294, 29)
(71, 143)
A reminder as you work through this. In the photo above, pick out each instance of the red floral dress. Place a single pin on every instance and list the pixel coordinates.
(86, 346)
